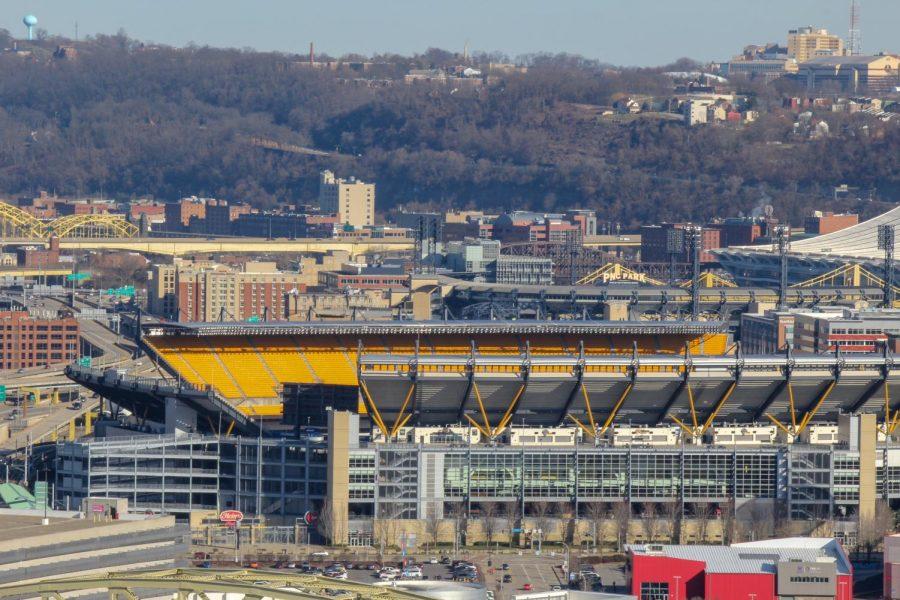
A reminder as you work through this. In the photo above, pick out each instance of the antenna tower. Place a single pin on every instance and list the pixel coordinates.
(854, 39)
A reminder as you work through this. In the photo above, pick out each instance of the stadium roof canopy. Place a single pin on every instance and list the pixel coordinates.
(859, 242)
(518, 327)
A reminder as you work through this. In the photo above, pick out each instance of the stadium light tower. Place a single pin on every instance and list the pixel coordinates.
(886, 243)
(782, 244)
(674, 247)
(693, 237)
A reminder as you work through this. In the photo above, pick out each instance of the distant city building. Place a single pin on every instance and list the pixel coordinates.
(695, 112)
(879, 73)
(744, 231)
(38, 257)
(827, 222)
(472, 255)
(179, 214)
(655, 243)
(204, 291)
(522, 270)
(853, 331)
(220, 217)
(36, 340)
(284, 225)
(805, 43)
(767, 332)
(351, 200)
(353, 276)
(523, 226)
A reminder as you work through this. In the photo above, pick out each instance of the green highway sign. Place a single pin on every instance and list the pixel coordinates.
(2, 393)
(84, 361)
(126, 290)
(253, 319)
(78, 276)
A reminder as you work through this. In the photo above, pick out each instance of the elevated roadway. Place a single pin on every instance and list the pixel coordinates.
(231, 245)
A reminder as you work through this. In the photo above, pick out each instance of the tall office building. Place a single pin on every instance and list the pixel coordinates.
(351, 200)
(805, 43)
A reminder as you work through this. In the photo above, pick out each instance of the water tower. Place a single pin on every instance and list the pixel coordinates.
(30, 21)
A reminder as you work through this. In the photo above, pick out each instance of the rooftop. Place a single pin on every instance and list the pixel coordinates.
(753, 557)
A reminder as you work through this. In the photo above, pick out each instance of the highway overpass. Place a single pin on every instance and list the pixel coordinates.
(182, 246)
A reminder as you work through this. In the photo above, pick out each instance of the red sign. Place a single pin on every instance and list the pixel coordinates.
(230, 516)
(97, 508)
(310, 517)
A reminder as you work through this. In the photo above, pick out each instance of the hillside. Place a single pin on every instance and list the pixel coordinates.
(129, 120)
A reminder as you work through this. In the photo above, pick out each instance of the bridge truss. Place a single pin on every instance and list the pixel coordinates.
(16, 223)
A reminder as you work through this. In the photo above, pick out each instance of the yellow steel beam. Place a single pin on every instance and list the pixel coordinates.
(691, 431)
(811, 413)
(487, 422)
(616, 407)
(584, 427)
(780, 425)
(396, 427)
(587, 405)
(376, 415)
(480, 428)
(887, 407)
(691, 403)
(509, 411)
(791, 403)
(230, 427)
(719, 405)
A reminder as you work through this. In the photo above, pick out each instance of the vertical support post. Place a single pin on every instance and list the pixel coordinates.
(782, 244)
(886, 243)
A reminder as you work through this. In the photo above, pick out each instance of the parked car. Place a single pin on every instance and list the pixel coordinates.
(507, 578)
(433, 560)
(413, 572)
(505, 566)
(527, 587)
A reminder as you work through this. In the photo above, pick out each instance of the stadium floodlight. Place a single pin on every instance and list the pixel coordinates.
(782, 243)
(693, 240)
(886, 243)
(674, 247)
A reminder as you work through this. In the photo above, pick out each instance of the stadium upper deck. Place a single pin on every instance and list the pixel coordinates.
(247, 363)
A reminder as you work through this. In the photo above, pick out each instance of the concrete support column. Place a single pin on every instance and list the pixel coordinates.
(338, 497)
(868, 496)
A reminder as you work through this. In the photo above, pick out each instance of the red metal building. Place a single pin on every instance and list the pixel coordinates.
(765, 570)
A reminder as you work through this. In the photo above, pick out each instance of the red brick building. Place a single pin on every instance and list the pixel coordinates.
(38, 257)
(827, 222)
(535, 227)
(29, 341)
(178, 214)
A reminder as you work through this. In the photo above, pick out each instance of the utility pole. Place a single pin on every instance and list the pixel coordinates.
(886, 243)
(782, 245)
(694, 239)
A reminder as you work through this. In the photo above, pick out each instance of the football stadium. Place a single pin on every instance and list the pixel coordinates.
(401, 420)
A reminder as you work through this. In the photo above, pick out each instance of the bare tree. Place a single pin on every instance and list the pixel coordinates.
(596, 513)
(622, 515)
(433, 523)
(873, 527)
(650, 521)
(489, 521)
(672, 513)
(511, 514)
(541, 512)
(325, 522)
(458, 514)
(703, 512)
(727, 511)
(386, 528)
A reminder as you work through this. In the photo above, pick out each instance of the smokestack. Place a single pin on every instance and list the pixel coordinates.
(312, 54)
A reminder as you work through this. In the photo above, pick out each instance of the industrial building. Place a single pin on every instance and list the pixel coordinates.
(764, 570)
(37, 338)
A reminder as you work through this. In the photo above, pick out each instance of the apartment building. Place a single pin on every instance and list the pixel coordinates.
(655, 243)
(353, 201)
(36, 340)
(828, 222)
(808, 42)
(200, 291)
